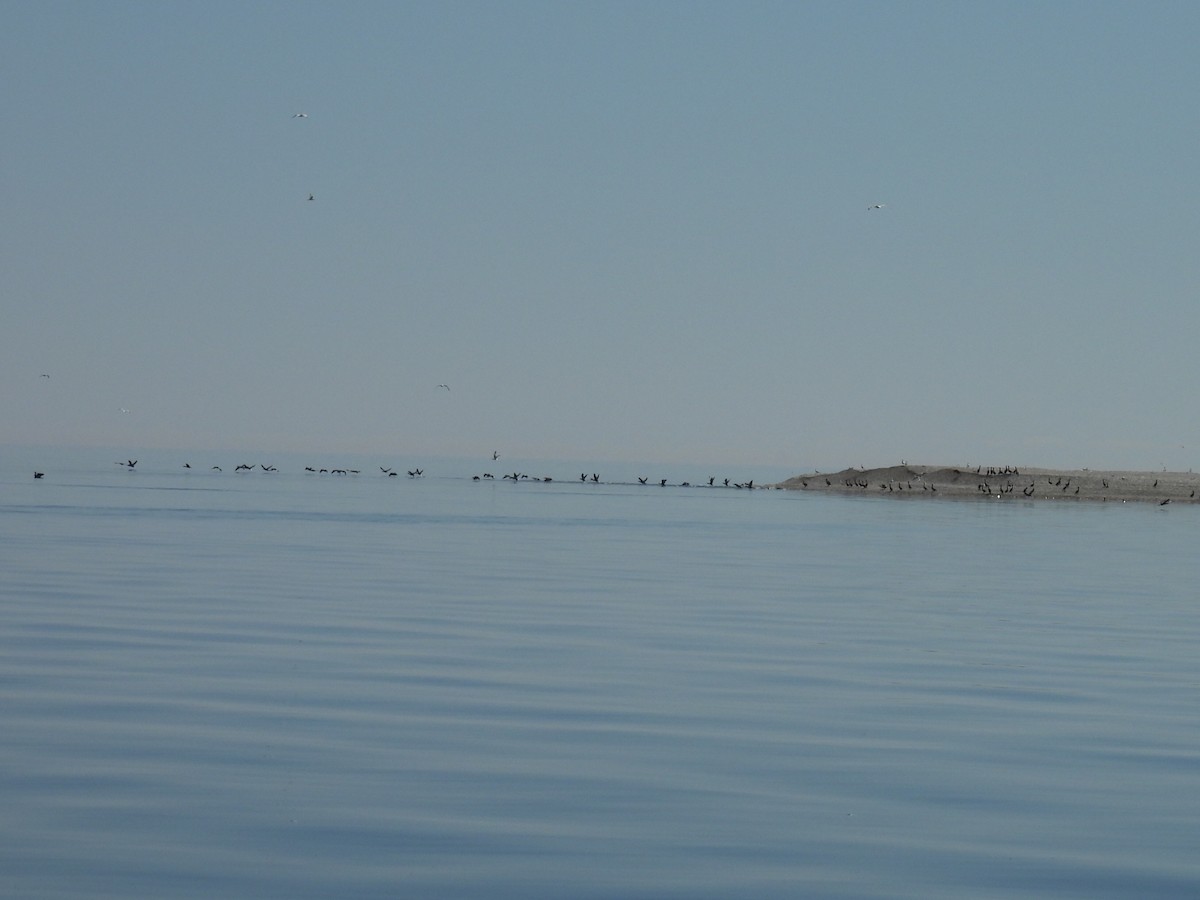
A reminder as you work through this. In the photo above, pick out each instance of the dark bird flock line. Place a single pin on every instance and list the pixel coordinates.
(990, 482)
(417, 472)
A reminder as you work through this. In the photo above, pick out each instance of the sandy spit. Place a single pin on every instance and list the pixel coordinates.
(1005, 483)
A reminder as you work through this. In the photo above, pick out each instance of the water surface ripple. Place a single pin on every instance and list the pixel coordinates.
(295, 688)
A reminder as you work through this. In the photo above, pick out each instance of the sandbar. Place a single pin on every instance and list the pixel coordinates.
(1005, 483)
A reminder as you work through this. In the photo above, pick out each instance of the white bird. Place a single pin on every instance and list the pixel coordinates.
(124, 410)
(876, 206)
(300, 116)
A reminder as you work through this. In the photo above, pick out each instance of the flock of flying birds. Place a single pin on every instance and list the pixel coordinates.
(304, 115)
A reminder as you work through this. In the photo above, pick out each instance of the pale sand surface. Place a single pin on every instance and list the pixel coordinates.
(1005, 483)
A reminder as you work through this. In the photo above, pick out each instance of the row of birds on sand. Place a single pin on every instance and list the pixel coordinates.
(1053, 487)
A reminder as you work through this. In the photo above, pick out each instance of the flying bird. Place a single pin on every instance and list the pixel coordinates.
(300, 116)
(124, 410)
(876, 206)
(446, 386)
(311, 197)
(495, 455)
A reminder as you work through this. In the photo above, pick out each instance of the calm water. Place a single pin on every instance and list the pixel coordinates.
(294, 686)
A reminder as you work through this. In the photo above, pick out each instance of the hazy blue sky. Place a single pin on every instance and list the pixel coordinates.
(616, 230)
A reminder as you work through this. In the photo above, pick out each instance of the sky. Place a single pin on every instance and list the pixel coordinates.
(617, 230)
